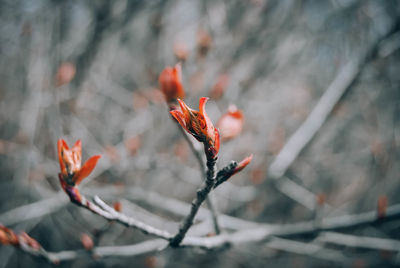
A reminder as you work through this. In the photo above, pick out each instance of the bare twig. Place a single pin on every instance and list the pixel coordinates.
(153, 245)
(201, 196)
(109, 213)
(309, 249)
(209, 200)
(181, 208)
(359, 241)
(297, 192)
(303, 135)
(225, 173)
(34, 210)
(290, 230)
(257, 234)
(41, 253)
(107, 251)
(49, 205)
(314, 121)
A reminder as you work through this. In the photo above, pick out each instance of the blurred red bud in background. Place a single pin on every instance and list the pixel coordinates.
(231, 123)
(65, 74)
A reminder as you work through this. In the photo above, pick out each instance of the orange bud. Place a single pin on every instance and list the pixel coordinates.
(231, 123)
(117, 206)
(170, 81)
(72, 172)
(242, 164)
(65, 73)
(199, 125)
(382, 206)
(7, 236)
(220, 86)
(87, 241)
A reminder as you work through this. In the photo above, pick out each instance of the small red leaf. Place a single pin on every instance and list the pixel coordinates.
(242, 164)
(86, 169)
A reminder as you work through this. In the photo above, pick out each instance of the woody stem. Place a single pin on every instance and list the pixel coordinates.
(196, 203)
(209, 200)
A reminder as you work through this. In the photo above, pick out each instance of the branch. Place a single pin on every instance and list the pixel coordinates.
(303, 135)
(180, 208)
(201, 196)
(209, 200)
(34, 210)
(291, 230)
(106, 251)
(256, 234)
(47, 206)
(313, 250)
(109, 213)
(359, 241)
(225, 173)
(41, 253)
(309, 249)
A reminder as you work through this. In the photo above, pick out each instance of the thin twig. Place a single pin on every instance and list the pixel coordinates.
(210, 200)
(255, 235)
(303, 135)
(41, 253)
(359, 241)
(154, 245)
(225, 173)
(309, 249)
(52, 204)
(180, 208)
(110, 213)
(201, 196)
(106, 251)
(293, 230)
(34, 210)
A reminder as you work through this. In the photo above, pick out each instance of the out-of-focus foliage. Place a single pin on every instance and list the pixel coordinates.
(89, 70)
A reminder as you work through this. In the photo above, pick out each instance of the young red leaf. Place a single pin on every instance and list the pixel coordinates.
(86, 169)
(199, 125)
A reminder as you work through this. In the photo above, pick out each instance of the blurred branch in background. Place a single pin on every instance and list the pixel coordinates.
(303, 135)
(316, 83)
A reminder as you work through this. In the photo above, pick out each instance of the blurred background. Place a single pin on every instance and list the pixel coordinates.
(89, 70)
